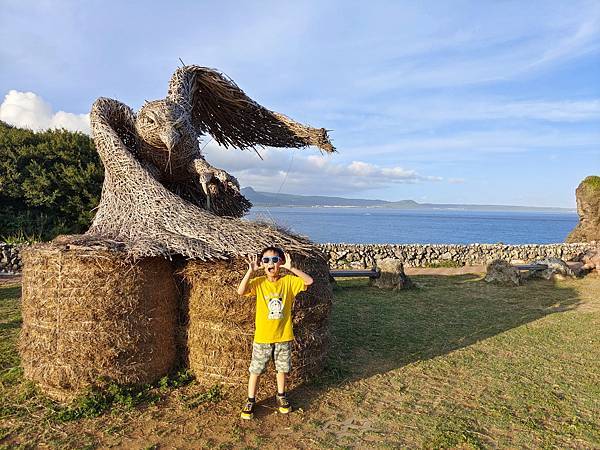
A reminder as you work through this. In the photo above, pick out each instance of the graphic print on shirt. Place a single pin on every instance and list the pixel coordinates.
(275, 305)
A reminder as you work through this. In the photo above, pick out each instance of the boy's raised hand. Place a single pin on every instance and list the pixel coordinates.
(288, 261)
(252, 261)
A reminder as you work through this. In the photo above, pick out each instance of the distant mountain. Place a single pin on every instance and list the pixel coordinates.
(272, 199)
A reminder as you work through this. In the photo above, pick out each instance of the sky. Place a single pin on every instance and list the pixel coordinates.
(479, 102)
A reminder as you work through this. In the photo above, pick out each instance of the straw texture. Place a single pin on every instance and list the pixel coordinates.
(220, 326)
(91, 313)
(160, 196)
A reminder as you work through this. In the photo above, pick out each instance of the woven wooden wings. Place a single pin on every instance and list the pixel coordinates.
(160, 196)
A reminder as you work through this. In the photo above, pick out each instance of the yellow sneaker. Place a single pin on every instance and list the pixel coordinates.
(247, 411)
(284, 404)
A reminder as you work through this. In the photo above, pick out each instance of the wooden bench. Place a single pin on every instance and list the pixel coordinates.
(372, 274)
(531, 267)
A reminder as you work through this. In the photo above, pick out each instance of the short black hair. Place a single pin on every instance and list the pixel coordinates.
(277, 250)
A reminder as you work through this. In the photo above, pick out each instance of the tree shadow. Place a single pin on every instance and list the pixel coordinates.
(375, 331)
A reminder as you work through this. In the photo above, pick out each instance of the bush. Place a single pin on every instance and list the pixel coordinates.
(50, 182)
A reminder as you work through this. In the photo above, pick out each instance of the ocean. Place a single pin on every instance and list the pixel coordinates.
(393, 226)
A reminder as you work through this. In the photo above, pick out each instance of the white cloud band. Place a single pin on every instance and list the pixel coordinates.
(29, 110)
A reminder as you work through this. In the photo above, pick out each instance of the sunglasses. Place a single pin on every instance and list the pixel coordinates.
(274, 259)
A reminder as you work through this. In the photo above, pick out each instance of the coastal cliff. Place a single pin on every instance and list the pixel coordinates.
(588, 208)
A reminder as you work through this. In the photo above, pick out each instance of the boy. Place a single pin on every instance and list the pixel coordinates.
(273, 333)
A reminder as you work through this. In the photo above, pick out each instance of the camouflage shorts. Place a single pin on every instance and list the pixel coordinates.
(262, 353)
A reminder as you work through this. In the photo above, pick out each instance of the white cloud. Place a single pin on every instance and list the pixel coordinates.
(289, 171)
(361, 169)
(458, 146)
(582, 39)
(29, 110)
(495, 45)
(444, 109)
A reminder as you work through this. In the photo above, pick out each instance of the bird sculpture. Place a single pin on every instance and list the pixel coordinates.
(160, 196)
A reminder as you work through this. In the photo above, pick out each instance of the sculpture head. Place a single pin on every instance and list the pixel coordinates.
(161, 123)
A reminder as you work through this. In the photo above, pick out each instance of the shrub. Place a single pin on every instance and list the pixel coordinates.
(50, 182)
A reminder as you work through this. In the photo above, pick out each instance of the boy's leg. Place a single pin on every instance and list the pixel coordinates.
(283, 364)
(252, 382)
(281, 383)
(261, 353)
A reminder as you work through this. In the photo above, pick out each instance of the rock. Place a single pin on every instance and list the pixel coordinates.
(357, 265)
(557, 269)
(588, 208)
(501, 272)
(577, 268)
(591, 259)
(392, 275)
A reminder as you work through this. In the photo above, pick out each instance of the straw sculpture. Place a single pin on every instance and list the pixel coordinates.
(220, 326)
(105, 304)
(160, 196)
(91, 314)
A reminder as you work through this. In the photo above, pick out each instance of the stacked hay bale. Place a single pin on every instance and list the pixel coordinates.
(221, 322)
(91, 314)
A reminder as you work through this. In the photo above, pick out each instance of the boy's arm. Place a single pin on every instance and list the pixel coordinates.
(252, 266)
(306, 278)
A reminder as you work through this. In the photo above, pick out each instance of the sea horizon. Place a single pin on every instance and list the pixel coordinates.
(369, 225)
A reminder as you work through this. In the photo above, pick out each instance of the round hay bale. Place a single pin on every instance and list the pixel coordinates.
(221, 322)
(93, 314)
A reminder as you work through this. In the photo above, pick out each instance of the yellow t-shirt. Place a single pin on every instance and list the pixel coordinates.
(274, 307)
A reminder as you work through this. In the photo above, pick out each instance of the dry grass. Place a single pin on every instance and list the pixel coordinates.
(456, 363)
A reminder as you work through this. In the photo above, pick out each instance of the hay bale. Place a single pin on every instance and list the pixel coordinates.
(91, 314)
(221, 323)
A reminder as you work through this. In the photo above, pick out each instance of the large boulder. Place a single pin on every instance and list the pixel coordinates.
(392, 275)
(557, 269)
(501, 272)
(591, 260)
(588, 208)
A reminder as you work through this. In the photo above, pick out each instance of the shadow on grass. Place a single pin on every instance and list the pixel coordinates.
(375, 331)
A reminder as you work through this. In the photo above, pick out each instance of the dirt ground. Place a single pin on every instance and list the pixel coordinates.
(445, 270)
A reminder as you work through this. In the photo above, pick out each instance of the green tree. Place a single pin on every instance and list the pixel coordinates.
(50, 182)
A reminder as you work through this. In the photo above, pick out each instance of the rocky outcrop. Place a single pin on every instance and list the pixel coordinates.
(591, 260)
(588, 208)
(501, 272)
(392, 275)
(557, 269)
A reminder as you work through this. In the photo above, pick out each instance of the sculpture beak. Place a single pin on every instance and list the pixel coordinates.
(170, 138)
(205, 189)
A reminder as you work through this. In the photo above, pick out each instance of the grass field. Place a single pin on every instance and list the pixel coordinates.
(455, 363)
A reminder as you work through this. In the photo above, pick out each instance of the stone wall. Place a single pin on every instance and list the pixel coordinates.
(361, 256)
(10, 259)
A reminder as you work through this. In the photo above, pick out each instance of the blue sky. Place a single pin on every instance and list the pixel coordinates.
(485, 102)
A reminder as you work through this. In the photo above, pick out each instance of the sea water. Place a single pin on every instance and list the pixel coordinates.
(394, 226)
